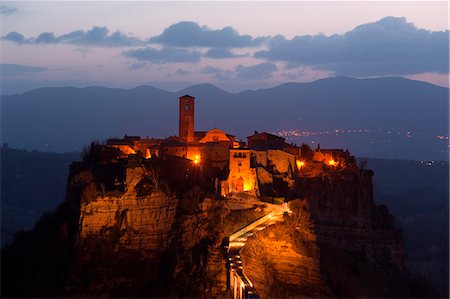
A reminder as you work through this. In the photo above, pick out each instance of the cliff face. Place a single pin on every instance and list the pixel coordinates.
(346, 216)
(144, 222)
(337, 242)
(149, 228)
(137, 238)
(284, 260)
(362, 252)
(335, 228)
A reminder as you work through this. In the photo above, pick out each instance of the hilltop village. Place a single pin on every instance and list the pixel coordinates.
(247, 166)
(205, 215)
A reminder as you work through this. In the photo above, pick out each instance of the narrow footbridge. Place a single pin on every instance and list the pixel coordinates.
(240, 285)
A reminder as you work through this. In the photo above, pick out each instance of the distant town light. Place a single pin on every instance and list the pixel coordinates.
(300, 164)
(332, 163)
(196, 159)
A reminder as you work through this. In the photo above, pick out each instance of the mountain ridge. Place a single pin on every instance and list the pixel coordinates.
(66, 119)
(211, 85)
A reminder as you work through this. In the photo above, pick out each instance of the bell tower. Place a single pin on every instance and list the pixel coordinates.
(186, 124)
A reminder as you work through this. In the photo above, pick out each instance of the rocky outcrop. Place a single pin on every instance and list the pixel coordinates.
(156, 228)
(282, 262)
(133, 217)
(337, 242)
(346, 217)
(144, 222)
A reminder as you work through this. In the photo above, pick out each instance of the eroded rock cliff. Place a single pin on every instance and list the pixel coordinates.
(157, 228)
(336, 243)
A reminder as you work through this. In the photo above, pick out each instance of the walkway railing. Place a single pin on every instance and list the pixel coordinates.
(239, 283)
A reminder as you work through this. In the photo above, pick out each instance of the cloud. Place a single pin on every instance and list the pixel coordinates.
(190, 34)
(97, 36)
(181, 72)
(7, 10)
(217, 73)
(15, 37)
(165, 55)
(10, 70)
(219, 53)
(389, 46)
(210, 70)
(256, 72)
(137, 66)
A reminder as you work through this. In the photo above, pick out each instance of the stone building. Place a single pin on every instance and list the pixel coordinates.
(242, 176)
(186, 123)
(266, 157)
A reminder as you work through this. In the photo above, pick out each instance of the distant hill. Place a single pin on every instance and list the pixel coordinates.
(397, 176)
(32, 183)
(417, 194)
(66, 119)
(422, 213)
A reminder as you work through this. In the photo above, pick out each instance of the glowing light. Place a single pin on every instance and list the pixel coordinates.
(237, 244)
(248, 280)
(148, 155)
(247, 185)
(300, 164)
(196, 159)
(332, 163)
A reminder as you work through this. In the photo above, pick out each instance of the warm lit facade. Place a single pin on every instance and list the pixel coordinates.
(241, 177)
(188, 144)
(332, 157)
(217, 136)
(266, 157)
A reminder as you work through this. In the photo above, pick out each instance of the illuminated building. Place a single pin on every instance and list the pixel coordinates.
(266, 158)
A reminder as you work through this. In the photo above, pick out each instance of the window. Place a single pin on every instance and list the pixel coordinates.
(239, 164)
(186, 105)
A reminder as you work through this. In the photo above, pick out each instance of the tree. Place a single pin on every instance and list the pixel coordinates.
(306, 153)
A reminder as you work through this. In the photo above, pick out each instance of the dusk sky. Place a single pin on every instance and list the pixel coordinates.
(233, 45)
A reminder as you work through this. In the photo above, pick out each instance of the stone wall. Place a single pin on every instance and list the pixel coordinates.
(282, 161)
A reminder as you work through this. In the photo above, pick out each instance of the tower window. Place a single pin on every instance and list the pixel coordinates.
(186, 105)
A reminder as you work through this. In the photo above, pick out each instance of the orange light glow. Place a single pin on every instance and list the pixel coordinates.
(332, 163)
(247, 186)
(147, 154)
(196, 159)
(300, 164)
